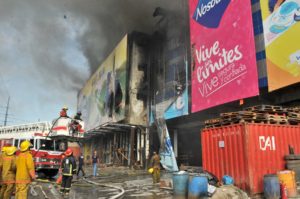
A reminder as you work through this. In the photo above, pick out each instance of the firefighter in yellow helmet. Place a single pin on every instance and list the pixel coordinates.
(8, 173)
(2, 155)
(25, 170)
(155, 162)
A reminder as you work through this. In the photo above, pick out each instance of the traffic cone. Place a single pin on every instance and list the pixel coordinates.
(59, 179)
(283, 191)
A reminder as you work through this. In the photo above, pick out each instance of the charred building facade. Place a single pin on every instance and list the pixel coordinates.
(149, 76)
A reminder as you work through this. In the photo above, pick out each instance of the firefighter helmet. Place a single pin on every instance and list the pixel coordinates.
(3, 149)
(5, 146)
(10, 150)
(65, 108)
(25, 145)
(68, 152)
(150, 170)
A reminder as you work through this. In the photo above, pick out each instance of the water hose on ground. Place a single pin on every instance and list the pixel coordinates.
(110, 186)
(34, 193)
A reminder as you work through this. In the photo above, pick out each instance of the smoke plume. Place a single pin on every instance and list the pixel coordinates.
(50, 48)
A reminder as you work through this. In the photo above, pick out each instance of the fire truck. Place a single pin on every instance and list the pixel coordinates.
(47, 152)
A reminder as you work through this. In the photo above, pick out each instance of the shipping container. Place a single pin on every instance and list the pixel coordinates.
(247, 152)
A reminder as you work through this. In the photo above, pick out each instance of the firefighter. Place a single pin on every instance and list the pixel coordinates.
(78, 116)
(63, 112)
(155, 162)
(68, 167)
(75, 126)
(1, 159)
(1, 162)
(25, 170)
(8, 173)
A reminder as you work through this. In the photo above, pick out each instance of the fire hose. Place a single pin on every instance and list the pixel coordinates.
(34, 193)
(47, 135)
(110, 186)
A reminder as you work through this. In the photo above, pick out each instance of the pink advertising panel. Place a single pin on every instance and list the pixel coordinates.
(223, 52)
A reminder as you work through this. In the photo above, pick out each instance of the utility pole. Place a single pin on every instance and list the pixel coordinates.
(6, 114)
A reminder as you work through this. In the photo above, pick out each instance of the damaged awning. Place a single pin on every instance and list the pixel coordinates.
(111, 127)
(119, 144)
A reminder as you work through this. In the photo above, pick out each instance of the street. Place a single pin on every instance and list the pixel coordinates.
(136, 184)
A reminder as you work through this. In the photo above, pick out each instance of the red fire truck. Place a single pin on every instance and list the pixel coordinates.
(47, 152)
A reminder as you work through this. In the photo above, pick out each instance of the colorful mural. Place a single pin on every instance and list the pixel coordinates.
(102, 99)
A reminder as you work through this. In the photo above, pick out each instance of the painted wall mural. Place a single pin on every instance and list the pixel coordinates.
(102, 99)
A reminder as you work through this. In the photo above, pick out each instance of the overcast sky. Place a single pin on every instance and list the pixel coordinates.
(48, 48)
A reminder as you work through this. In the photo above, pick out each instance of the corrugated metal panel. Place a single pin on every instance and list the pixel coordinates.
(248, 151)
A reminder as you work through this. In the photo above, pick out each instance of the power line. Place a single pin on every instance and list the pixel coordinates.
(6, 113)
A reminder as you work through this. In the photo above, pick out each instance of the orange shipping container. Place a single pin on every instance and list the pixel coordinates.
(247, 152)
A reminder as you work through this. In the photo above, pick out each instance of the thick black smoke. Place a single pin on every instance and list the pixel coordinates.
(50, 48)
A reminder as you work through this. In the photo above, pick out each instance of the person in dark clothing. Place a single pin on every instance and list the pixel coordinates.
(78, 116)
(75, 126)
(80, 165)
(68, 167)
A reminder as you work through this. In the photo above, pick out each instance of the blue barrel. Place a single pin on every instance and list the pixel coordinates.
(180, 184)
(271, 187)
(198, 186)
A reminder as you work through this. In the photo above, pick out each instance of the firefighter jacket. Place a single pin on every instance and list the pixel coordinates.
(8, 169)
(1, 164)
(155, 161)
(25, 168)
(68, 166)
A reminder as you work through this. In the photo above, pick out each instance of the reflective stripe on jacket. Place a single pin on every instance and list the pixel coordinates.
(8, 169)
(68, 166)
(25, 168)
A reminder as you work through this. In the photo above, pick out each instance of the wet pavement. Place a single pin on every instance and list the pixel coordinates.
(110, 182)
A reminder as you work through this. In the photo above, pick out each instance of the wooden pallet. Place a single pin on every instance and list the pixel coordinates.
(212, 121)
(277, 121)
(275, 117)
(267, 109)
(212, 125)
(229, 114)
(293, 115)
(293, 121)
(293, 109)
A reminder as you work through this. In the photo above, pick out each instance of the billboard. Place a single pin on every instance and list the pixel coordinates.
(281, 32)
(223, 52)
(102, 99)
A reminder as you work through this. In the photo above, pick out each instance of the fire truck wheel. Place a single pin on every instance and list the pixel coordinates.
(51, 173)
(41, 174)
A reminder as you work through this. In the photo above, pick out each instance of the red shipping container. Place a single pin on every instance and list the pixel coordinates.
(247, 152)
